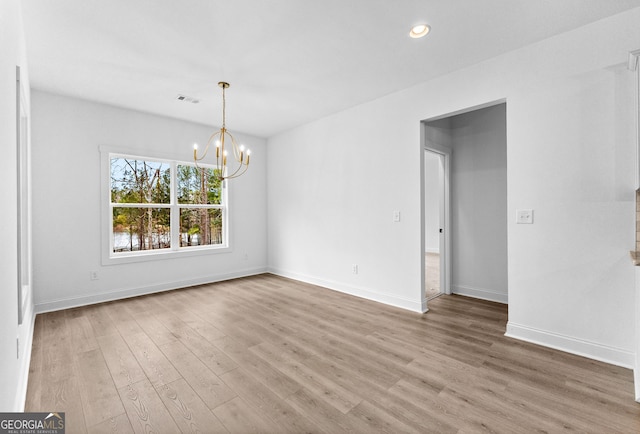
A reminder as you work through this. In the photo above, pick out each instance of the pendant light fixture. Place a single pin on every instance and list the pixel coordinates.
(224, 140)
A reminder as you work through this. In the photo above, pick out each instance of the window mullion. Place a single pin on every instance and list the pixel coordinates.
(139, 205)
(175, 211)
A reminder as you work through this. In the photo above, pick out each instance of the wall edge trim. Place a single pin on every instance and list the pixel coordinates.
(23, 382)
(569, 344)
(379, 297)
(636, 382)
(67, 303)
(481, 293)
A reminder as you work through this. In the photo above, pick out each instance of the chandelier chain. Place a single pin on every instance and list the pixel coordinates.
(224, 112)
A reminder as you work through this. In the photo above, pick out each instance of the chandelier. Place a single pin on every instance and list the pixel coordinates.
(222, 138)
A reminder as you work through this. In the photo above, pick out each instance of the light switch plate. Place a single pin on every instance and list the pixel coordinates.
(396, 216)
(524, 216)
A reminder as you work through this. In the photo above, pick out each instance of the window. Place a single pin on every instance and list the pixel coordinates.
(23, 205)
(199, 200)
(159, 206)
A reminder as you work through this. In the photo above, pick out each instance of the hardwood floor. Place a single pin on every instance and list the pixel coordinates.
(432, 275)
(267, 354)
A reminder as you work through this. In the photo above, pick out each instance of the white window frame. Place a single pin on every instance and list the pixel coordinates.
(23, 204)
(109, 257)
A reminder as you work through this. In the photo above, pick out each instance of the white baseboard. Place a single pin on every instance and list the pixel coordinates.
(66, 303)
(390, 299)
(23, 378)
(429, 250)
(580, 347)
(481, 293)
(636, 381)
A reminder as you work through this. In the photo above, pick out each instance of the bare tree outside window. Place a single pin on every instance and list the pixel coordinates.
(142, 205)
(200, 224)
(143, 184)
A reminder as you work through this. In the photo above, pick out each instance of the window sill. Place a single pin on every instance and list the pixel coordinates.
(148, 256)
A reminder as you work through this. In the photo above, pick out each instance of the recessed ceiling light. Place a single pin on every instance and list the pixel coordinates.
(419, 30)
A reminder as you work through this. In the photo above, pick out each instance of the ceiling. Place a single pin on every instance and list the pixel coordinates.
(288, 61)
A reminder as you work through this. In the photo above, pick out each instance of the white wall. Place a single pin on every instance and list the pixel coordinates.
(479, 204)
(432, 202)
(67, 133)
(14, 365)
(333, 185)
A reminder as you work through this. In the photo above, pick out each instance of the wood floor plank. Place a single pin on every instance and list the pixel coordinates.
(203, 328)
(276, 381)
(439, 371)
(209, 354)
(416, 405)
(154, 328)
(119, 315)
(239, 417)
(120, 360)
(208, 385)
(100, 320)
(115, 425)
(477, 416)
(189, 411)
(57, 354)
(380, 420)
(258, 395)
(98, 393)
(145, 409)
(325, 416)
(578, 411)
(532, 417)
(81, 334)
(64, 395)
(278, 327)
(155, 364)
(265, 354)
(335, 395)
(221, 321)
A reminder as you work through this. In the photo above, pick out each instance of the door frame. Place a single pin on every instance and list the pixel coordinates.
(445, 210)
(444, 199)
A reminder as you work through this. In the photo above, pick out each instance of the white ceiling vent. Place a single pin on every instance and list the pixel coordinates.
(186, 98)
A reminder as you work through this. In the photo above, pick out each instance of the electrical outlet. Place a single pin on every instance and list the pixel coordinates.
(354, 268)
(396, 216)
(524, 216)
(93, 275)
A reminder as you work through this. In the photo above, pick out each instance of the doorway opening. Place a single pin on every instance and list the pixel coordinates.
(465, 178)
(434, 217)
